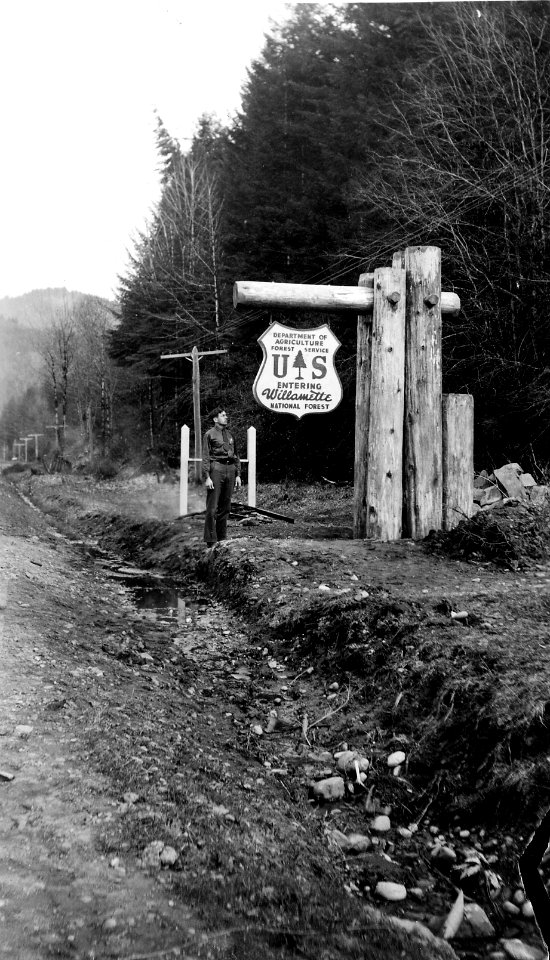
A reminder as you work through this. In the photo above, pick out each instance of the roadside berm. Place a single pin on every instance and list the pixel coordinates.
(343, 742)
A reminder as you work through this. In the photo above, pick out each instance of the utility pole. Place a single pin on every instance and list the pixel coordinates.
(194, 357)
(25, 440)
(57, 427)
(36, 436)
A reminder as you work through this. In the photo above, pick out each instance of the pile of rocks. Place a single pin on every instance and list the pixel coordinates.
(506, 484)
(411, 870)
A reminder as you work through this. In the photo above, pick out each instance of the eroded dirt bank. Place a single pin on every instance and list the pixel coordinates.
(330, 646)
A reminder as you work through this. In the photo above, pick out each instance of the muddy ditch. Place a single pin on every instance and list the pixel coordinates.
(386, 649)
(469, 694)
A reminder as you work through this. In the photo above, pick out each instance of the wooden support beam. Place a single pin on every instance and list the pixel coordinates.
(422, 474)
(458, 458)
(379, 410)
(308, 296)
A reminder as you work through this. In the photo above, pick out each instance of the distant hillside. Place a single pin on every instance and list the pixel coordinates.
(37, 308)
(19, 361)
(20, 318)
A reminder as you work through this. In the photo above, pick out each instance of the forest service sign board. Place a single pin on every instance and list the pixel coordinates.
(297, 374)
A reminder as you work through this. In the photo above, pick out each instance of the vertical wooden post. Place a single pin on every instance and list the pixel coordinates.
(362, 408)
(379, 501)
(458, 458)
(197, 413)
(184, 468)
(251, 455)
(423, 470)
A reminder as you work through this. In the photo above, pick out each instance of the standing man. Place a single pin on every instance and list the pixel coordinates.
(222, 466)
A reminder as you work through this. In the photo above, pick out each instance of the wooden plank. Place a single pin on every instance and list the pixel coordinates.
(304, 296)
(246, 509)
(379, 411)
(458, 458)
(423, 469)
(184, 469)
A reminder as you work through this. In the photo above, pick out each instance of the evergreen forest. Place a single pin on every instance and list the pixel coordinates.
(364, 128)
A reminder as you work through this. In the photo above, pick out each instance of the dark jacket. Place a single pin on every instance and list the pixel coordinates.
(219, 445)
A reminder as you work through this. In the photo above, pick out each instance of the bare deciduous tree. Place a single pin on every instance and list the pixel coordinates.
(468, 168)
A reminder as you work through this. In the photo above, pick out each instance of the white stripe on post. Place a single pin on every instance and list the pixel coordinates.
(184, 469)
(251, 452)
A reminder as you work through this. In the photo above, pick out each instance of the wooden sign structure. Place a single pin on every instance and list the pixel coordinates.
(413, 448)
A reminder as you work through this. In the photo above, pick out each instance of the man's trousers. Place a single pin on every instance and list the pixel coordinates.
(218, 501)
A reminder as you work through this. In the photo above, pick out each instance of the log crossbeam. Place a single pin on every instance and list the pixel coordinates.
(310, 296)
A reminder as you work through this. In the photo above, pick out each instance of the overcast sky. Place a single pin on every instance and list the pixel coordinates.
(79, 83)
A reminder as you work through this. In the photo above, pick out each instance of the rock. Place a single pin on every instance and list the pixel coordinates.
(488, 496)
(381, 824)
(358, 843)
(405, 833)
(168, 856)
(527, 480)
(396, 759)
(23, 731)
(508, 477)
(151, 855)
(518, 950)
(390, 891)
(414, 927)
(475, 923)
(481, 480)
(109, 924)
(333, 788)
(4, 775)
(527, 910)
(518, 897)
(418, 893)
(459, 615)
(539, 492)
(347, 760)
(337, 837)
(323, 587)
(257, 729)
(443, 854)
(510, 908)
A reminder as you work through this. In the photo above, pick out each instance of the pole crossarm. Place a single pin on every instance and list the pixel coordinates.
(310, 296)
(189, 356)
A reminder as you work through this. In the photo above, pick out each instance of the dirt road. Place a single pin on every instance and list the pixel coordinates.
(61, 893)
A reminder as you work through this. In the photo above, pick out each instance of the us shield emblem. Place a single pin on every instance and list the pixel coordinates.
(297, 374)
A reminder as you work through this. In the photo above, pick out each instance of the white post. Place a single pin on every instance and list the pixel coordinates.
(251, 452)
(184, 468)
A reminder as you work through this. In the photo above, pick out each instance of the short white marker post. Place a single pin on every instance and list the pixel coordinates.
(251, 452)
(184, 467)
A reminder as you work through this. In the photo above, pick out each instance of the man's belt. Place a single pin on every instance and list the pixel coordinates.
(228, 460)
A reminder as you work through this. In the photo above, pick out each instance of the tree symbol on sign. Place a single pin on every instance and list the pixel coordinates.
(300, 364)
